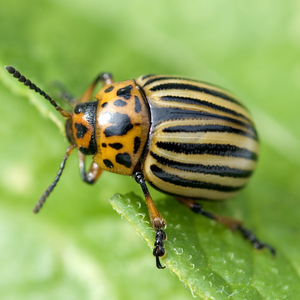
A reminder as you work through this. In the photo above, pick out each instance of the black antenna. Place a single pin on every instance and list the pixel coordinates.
(32, 86)
(50, 188)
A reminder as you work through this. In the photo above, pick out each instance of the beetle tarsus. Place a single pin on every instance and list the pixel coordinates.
(158, 264)
(257, 244)
(232, 224)
(159, 250)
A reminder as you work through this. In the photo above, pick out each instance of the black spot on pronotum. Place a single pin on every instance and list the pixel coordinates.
(121, 125)
(81, 130)
(125, 92)
(104, 145)
(137, 107)
(108, 163)
(104, 104)
(109, 89)
(124, 159)
(116, 146)
(137, 143)
(119, 102)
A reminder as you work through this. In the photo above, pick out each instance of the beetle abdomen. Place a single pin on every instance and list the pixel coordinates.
(202, 141)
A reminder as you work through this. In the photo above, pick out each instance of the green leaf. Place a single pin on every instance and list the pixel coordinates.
(211, 260)
(77, 247)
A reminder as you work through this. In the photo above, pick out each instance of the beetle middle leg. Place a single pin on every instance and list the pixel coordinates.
(157, 221)
(232, 224)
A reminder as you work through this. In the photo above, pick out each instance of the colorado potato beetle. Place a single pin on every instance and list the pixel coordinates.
(184, 137)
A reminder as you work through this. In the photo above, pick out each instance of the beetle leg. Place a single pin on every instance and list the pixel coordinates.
(157, 221)
(93, 173)
(104, 78)
(232, 224)
(257, 244)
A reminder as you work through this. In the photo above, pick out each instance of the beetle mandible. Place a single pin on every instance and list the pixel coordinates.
(184, 137)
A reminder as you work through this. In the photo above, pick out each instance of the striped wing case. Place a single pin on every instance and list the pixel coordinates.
(202, 142)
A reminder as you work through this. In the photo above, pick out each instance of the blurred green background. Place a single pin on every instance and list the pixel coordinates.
(78, 247)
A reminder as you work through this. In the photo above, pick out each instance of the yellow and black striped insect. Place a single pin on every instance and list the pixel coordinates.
(184, 137)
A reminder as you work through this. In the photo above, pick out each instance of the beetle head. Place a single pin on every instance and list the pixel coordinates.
(80, 127)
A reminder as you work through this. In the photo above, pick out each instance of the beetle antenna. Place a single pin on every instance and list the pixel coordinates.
(32, 86)
(50, 188)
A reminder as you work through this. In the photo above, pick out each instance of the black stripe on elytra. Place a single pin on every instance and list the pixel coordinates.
(161, 114)
(211, 149)
(147, 76)
(125, 92)
(205, 103)
(124, 159)
(222, 171)
(176, 180)
(157, 78)
(108, 163)
(190, 87)
(137, 143)
(109, 89)
(116, 146)
(120, 102)
(81, 130)
(137, 105)
(208, 128)
(122, 125)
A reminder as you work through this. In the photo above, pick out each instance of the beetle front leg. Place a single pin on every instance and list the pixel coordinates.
(157, 221)
(93, 173)
(232, 224)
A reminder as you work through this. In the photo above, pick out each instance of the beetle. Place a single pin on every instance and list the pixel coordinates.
(184, 137)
